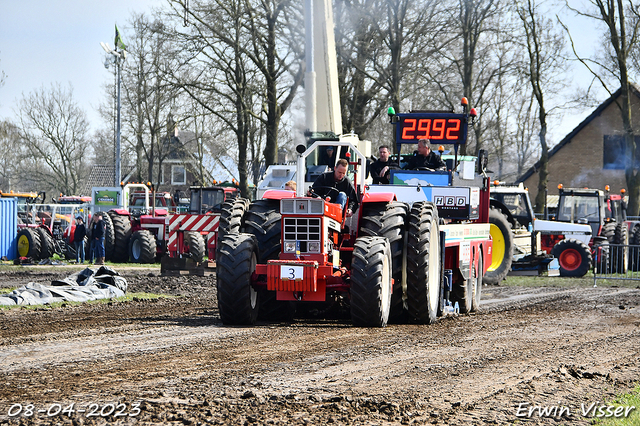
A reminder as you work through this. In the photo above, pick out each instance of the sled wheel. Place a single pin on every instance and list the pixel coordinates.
(502, 251)
(238, 301)
(142, 247)
(423, 263)
(371, 286)
(573, 256)
(389, 220)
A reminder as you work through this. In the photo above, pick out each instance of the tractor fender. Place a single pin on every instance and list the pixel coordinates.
(378, 197)
(504, 210)
(121, 212)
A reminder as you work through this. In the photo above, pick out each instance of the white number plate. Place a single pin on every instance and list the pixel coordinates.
(288, 272)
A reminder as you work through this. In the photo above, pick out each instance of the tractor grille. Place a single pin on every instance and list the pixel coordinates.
(302, 229)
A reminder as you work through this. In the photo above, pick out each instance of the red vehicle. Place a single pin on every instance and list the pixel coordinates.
(295, 251)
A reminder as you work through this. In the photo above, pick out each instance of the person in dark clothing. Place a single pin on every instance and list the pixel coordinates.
(327, 158)
(78, 239)
(425, 158)
(344, 189)
(97, 235)
(381, 168)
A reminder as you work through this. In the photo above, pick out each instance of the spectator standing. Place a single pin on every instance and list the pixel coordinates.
(97, 236)
(78, 239)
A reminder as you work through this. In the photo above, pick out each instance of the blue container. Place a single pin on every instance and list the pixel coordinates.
(8, 227)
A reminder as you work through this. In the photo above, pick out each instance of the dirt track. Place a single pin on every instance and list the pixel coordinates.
(172, 362)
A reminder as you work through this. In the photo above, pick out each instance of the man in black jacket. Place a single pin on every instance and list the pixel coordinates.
(380, 168)
(97, 235)
(343, 187)
(425, 159)
(78, 239)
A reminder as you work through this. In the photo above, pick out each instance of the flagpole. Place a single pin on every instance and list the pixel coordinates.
(118, 170)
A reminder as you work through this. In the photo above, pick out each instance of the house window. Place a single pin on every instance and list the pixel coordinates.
(614, 153)
(178, 175)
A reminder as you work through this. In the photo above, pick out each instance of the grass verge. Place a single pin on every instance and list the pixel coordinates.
(631, 399)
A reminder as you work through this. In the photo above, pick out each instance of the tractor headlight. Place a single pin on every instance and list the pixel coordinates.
(289, 246)
(314, 247)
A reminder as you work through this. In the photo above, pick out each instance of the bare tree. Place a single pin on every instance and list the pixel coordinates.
(54, 130)
(542, 66)
(12, 158)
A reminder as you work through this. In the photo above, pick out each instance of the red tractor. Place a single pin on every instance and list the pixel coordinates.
(406, 251)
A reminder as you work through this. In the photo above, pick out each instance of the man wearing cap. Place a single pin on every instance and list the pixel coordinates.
(78, 238)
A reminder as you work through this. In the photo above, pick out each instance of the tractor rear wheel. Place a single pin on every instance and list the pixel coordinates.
(122, 234)
(29, 244)
(620, 253)
(423, 263)
(109, 237)
(142, 247)
(46, 243)
(477, 284)
(238, 301)
(574, 257)
(263, 220)
(371, 286)
(502, 251)
(389, 220)
(609, 231)
(194, 245)
(231, 215)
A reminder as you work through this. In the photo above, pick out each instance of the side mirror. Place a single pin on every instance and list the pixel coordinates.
(482, 161)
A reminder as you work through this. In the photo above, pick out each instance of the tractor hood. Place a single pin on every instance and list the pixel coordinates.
(571, 230)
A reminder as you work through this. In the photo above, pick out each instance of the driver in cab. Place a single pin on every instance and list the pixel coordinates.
(337, 186)
(425, 159)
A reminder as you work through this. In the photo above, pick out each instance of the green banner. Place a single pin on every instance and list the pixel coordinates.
(106, 198)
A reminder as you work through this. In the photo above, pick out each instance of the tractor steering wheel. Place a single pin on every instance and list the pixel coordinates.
(316, 195)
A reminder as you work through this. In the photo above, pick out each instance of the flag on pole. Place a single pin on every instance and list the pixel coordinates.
(118, 41)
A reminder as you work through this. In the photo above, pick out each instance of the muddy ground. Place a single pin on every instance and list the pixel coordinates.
(170, 361)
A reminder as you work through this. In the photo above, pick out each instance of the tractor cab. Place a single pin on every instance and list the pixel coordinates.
(206, 199)
(585, 206)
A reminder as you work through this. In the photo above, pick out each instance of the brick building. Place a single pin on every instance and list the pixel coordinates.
(592, 155)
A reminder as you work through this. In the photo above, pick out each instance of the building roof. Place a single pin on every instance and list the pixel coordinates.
(104, 176)
(634, 88)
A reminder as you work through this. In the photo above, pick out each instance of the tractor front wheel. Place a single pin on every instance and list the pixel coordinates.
(236, 261)
(423, 263)
(573, 256)
(142, 247)
(109, 237)
(29, 243)
(122, 234)
(371, 285)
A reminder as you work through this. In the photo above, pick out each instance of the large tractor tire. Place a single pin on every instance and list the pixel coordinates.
(502, 251)
(620, 253)
(609, 231)
(574, 257)
(238, 301)
(29, 244)
(142, 247)
(477, 284)
(389, 220)
(263, 220)
(231, 215)
(194, 245)
(371, 286)
(47, 245)
(424, 277)
(109, 237)
(122, 235)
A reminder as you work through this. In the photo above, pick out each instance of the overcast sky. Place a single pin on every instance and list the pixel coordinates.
(44, 42)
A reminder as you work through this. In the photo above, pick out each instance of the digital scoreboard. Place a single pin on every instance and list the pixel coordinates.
(439, 128)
